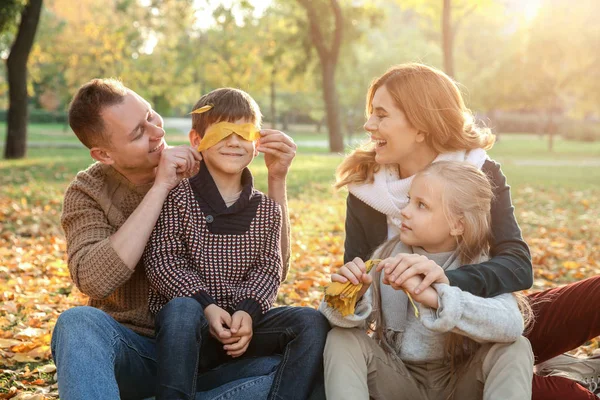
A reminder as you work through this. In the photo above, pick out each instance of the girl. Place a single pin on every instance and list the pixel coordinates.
(461, 346)
(416, 115)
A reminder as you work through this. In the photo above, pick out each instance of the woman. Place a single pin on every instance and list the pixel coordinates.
(416, 116)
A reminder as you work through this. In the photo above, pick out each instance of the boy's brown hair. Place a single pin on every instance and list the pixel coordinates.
(228, 104)
(85, 111)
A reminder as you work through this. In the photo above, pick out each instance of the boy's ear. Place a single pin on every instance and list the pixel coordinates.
(458, 227)
(256, 149)
(101, 155)
(194, 138)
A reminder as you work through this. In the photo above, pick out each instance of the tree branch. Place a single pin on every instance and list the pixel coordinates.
(460, 20)
(315, 30)
(339, 31)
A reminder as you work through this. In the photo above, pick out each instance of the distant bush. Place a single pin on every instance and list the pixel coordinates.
(41, 117)
(503, 122)
(514, 122)
(583, 131)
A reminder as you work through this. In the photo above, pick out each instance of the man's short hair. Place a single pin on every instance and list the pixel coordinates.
(229, 105)
(85, 111)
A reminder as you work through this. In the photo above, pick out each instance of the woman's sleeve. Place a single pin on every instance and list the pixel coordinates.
(356, 243)
(509, 268)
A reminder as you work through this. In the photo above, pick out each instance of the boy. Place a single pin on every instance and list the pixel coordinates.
(215, 252)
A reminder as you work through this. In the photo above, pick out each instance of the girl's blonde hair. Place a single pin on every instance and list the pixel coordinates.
(467, 195)
(432, 104)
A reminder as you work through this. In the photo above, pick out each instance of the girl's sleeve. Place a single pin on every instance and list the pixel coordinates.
(509, 269)
(496, 319)
(359, 319)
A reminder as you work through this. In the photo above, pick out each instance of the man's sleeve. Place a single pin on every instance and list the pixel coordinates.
(95, 267)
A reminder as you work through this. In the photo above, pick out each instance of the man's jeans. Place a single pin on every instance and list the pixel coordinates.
(184, 345)
(98, 358)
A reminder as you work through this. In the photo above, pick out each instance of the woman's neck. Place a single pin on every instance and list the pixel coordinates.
(417, 161)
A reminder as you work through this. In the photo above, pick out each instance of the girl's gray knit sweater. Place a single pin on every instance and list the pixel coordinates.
(495, 319)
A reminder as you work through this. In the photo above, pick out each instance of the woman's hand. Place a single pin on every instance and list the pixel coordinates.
(355, 272)
(403, 266)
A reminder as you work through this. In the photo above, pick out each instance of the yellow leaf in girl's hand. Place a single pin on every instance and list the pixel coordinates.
(343, 296)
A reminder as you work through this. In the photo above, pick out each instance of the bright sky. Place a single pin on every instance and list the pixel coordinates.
(531, 8)
(204, 12)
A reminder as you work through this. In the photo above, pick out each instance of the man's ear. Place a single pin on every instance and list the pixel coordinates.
(194, 138)
(458, 227)
(101, 155)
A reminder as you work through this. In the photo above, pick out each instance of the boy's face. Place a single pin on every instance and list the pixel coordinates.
(231, 155)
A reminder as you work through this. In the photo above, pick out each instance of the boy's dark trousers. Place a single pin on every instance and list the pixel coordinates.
(186, 347)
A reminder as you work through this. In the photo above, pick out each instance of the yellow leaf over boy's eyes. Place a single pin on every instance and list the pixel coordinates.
(219, 131)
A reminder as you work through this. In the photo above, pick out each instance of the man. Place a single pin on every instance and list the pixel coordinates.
(106, 350)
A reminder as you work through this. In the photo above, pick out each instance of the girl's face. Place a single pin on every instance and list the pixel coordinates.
(424, 221)
(394, 137)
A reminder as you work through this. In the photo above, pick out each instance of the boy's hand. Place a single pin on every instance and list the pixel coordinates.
(354, 271)
(175, 164)
(279, 150)
(219, 322)
(404, 266)
(241, 328)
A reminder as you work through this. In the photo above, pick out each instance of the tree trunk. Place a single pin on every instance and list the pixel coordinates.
(336, 138)
(273, 96)
(447, 38)
(550, 130)
(16, 66)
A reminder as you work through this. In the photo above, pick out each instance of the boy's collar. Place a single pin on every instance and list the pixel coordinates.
(204, 186)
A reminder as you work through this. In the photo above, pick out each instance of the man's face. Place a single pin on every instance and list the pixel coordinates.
(136, 135)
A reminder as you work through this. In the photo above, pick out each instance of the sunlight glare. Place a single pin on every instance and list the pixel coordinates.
(531, 8)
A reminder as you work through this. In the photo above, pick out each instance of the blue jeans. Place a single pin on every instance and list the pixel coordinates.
(184, 346)
(98, 358)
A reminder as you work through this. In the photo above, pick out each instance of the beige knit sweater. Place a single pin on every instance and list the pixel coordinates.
(96, 204)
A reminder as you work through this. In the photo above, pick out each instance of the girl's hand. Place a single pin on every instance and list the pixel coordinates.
(404, 266)
(428, 296)
(354, 271)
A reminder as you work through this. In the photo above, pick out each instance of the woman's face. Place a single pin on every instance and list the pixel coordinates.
(395, 139)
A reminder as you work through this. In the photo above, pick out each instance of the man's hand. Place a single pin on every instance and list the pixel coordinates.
(175, 164)
(354, 271)
(404, 266)
(279, 150)
(219, 322)
(241, 328)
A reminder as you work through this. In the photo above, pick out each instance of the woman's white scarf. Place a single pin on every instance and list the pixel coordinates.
(388, 193)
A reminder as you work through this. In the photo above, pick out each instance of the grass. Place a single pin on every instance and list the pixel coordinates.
(555, 197)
